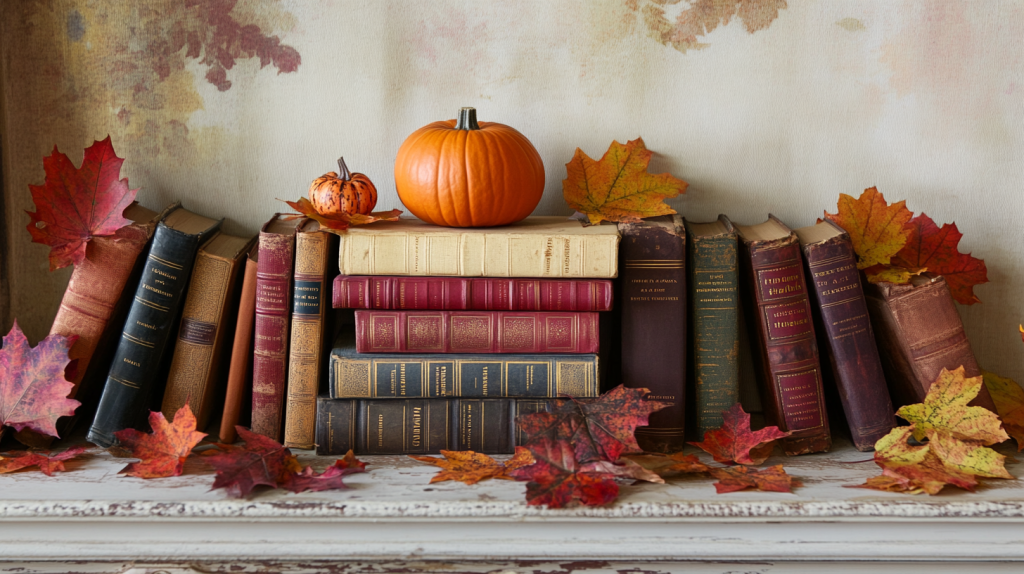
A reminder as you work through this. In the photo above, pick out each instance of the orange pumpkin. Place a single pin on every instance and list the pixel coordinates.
(349, 193)
(465, 174)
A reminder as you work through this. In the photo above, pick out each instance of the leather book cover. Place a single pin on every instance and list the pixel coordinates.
(239, 381)
(196, 376)
(919, 333)
(419, 426)
(714, 322)
(653, 306)
(273, 314)
(786, 354)
(308, 338)
(394, 376)
(475, 332)
(542, 247)
(458, 293)
(844, 329)
(140, 362)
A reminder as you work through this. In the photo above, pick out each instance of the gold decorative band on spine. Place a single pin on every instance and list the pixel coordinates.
(138, 341)
(153, 305)
(128, 384)
(165, 262)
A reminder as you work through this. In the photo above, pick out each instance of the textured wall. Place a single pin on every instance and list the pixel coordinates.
(762, 105)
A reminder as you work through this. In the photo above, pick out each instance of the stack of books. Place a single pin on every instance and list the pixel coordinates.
(457, 331)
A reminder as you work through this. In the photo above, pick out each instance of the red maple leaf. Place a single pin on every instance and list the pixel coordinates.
(771, 479)
(733, 442)
(76, 204)
(330, 479)
(936, 249)
(557, 480)
(350, 461)
(17, 460)
(33, 390)
(162, 452)
(259, 461)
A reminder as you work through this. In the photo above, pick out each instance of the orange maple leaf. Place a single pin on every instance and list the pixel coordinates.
(471, 467)
(162, 452)
(936, 249)
(669, 465)
(617, 187)
(48, 464)
(877, 230)
(1009, 400)
(771, 479)
(340, 222)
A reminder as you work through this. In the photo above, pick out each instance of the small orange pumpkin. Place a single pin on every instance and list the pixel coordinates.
(348, 193)
(465, 174)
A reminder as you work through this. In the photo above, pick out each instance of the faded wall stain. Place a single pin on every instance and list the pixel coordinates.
(700, 17)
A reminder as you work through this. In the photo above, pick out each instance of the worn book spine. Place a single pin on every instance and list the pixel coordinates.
(919, 333)
(456, 293)
(653, 255)
(499, 253)
(419, 426)
(273, 310)
(475, 332)
(135, 373)
(786, 357)
(240, 370)
(354, 375)
(306, 351)
(714, 313)
(197, 356)
(849, 339)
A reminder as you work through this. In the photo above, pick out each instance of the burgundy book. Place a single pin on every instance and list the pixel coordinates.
(475, 332)
(273, 310)
(460, 293)
(919, 334)
(786, 354)
(844, 329)
(652, 256)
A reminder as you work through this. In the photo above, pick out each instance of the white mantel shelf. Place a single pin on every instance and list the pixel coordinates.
(391, 512)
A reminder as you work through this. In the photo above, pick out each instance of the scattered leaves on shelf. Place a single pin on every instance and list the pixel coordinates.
(771, 479)
(617, 187)
(735, 443)
(1009, 400)
(471, 467)
(877, 229)
(76, 204)
(33, 390)
(47, 463)
(162, 452)
(936, 249)
(341, 221)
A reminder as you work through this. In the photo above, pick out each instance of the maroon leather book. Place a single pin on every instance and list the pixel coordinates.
(652, 258)
(919, 334)
(844, 330)
(786, 354)
(475, 332)
(455, 293)
(273, 310)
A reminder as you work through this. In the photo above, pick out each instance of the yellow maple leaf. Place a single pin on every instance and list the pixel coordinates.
(945, 409)
(877, 230)
(890, 274)
(617, 187)
(967, 457)
(1009, 400)
(913, 468)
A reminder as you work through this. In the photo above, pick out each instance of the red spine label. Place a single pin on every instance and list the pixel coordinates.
(780, 282)
(787, 320)
(801, 401)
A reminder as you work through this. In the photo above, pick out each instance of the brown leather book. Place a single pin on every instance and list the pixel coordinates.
(196, 376)
(240, 369)
(845, 333)
(786, 354)
(920, 333)
(306, 354)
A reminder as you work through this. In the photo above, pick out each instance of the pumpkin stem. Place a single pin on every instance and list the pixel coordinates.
(343, 172)
(467, 120)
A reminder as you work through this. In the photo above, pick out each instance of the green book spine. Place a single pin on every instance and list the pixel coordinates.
(714, 304)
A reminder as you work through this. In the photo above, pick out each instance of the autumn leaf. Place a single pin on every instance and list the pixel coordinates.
(771, 479)
(341, 221)
(1009, 400)
(669, 465)
(617, 187)
(912, 468)
(555, 479)
(76, 204)
(47, 463)
(350, 461)
(162, 452)
(471, 467)
(33, 390)
(734, 442)
(331, 479)
(890, 274)
(877, 230)
(259, 461)
(937, 250)
(967, 457)
(945, 409)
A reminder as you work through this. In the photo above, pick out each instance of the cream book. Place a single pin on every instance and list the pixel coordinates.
(534, 247)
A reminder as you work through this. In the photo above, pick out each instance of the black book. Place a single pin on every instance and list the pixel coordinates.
(139, 367)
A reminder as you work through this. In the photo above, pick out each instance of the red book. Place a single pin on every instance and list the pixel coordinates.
(475, 332)
(456, 293)
(273, 310)
(786, 354)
